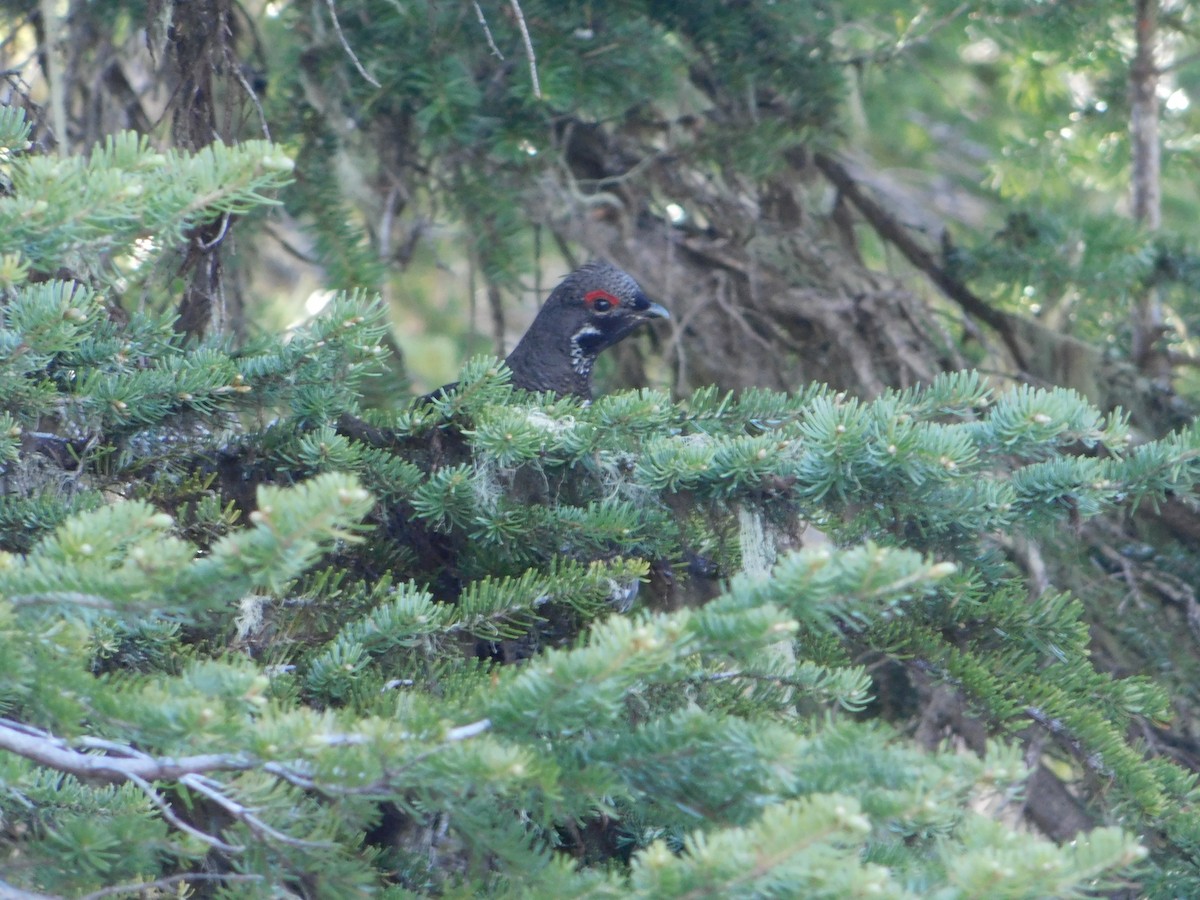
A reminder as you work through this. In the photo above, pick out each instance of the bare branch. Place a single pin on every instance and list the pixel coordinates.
(1181, 62)
(119, 762)
(337, 26)
(8, 892)
(487, 31)
(51, 598)
(212, 790)
(46, 750)
(383, 786)
(290, 775)
(220, 235)
(462, 732)
(895, 233)
(53, 752)
(893, 47)
(169, 814)
(252, 94)
(1183, 359)
(533, 75)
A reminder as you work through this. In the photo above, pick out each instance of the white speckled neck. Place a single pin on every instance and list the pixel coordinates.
(581, 359)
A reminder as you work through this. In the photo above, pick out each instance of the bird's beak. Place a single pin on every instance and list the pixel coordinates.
(654, 311)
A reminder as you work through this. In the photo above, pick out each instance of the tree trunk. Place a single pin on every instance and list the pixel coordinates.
(1148, 352)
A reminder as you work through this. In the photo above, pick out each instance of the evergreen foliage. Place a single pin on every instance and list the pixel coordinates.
(247, 647)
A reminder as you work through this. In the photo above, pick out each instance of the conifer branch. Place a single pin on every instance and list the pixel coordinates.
(44, 749)
(124, 763)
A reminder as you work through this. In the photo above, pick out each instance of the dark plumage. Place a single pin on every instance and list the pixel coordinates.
(591, 309)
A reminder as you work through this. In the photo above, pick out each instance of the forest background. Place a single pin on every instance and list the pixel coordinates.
(884, 585)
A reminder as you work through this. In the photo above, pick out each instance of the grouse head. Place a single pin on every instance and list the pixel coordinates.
(591, 309)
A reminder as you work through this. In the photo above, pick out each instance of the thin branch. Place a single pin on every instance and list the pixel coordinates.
(632, 172)
(382, 787)
(142, 887)
(212, 790)
(46, 750)
(487, 31)
(8, 892)
(533, 75)
(908, 41)
(337, 26)
(220, 235)
(94, 743)
(52, 598)
(290, 775)
(387, 219)
(123, 763)
(1181, 63)
(1183, 359)
(1094, 761)
(462, 732)
(250, 92)
(895, 233)
(288, 247)
(169, 814)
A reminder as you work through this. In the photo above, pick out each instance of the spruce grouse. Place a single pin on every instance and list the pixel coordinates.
(591, 309)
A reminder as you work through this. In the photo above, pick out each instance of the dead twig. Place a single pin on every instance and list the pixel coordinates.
(169, 814)
(487, 31)
(533, 73)
(337, 26)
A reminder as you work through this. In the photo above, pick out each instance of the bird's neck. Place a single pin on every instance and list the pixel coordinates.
(563, 365)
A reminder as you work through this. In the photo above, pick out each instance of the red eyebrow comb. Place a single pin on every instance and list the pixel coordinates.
(592, 296)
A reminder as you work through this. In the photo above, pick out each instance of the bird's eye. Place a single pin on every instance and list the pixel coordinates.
(600, 301)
